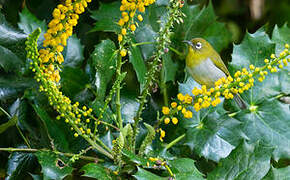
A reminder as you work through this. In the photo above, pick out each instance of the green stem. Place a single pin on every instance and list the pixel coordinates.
(142, 43)
(29, 150)
(118, 93)
(176, 51)
(172, 143)
(163, 84)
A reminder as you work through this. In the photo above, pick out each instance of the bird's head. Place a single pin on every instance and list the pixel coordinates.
(199, 47)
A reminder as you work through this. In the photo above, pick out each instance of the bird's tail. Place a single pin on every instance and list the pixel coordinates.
(240, 102)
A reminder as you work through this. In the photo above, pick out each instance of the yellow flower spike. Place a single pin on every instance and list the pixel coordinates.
(167, 120)
(173, 104)
(123, 52)
(174, 120)
(140, 18)
(123, 31)
(165, 110)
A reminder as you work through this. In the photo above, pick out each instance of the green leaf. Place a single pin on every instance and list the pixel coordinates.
(74, 52)
(270, 124)
(54, 128)
(169, 68)
(19, 164)
(184, 168)
(137, 61)
(9, 61)
(142, 174)
(29, 22)
(107, 17)
(53, 166)
(129, 107)
(278, 174)
(140, 161)
(11, 122)
(202, 23)
(10, 87)
(247, 161)
(73, 81)
(103, 61)
(146, 34)
(93, 170)
(281, 36)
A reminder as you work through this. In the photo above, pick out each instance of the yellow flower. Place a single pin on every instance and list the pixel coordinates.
(123, 31)
(173, 104)
(165, 110)
(174, 120)
(123, 52)
(167, 120)
(133, 27)
(140, 18)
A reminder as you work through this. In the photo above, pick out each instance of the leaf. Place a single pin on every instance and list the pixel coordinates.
(248, 161)
(184, 168)
(19, 164)
(281, 36)
(74, 52)
(29, 22)
(129, 107)
(142, 174)
(202, 23)
(73, 81)
(169, 68)
(5, 126)
(10, 87)
(146, 34)
(93, 170)
(137, 61)
(269, 124)
(103, 62)
(107, 17)
(140, 161)
(278, 174)
(9, 61)
(53, 166)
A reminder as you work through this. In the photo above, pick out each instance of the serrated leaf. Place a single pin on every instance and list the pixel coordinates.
(169, 68)
(281, 36)
(247, 161)
(74, 52)
(129, 107)
(107, 17)
(19, 164)
(146, 34)
(185, 169)
(12, 121)
(93, 170)
(53, 166)
(9, 61)
(137, 159)
(103, 62)
(203, 23)
(29, 22)
(137, 61)
(278, 174)
(269, 124)
(142, 174)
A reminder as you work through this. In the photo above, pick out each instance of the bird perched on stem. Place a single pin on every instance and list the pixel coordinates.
(205, 65)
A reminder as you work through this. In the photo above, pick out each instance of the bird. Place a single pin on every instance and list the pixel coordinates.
(206, 66)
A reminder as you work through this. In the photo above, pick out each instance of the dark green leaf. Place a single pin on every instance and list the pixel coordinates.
(93, 170)
(107, 17)
(74, 52)
(137, 61)
(142, 174)
(281, 36)
(19, 164)
(137, 159)
(248, 161)
(146, 34)
(73, 81)
(5, 126)
(28, 23)
(12, 39)
(103, 61)
(169, 68)
(202, 23)
(54, 128)
(184, 168)
(129, 108)
(278, 174)
(9, 61)
(53, 166)
(270, 124)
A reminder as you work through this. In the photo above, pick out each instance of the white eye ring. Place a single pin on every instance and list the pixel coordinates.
(198, 45)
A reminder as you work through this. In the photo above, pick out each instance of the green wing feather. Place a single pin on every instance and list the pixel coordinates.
(218, 62)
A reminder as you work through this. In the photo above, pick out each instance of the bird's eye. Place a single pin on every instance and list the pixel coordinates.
(198, 45)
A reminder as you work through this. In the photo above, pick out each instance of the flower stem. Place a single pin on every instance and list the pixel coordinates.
(172, 143)
(118, 93)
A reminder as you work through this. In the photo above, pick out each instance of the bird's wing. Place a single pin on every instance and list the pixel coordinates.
(218, 62)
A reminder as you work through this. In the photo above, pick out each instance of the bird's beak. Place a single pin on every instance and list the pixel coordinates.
(188, 42)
